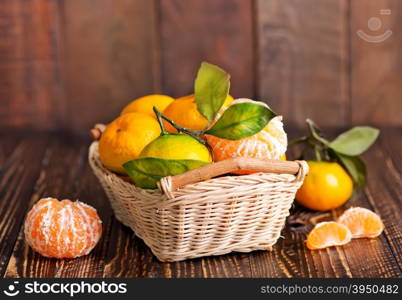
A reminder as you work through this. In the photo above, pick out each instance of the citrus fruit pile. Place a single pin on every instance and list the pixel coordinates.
(356, 222)
(156, 135)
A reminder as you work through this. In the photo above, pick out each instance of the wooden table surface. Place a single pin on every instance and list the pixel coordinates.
(36, 165)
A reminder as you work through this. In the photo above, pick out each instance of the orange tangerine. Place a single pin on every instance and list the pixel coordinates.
(184, 112)
(326, 187)
(124, 139)
(327, 234)
(62, 229)
(362, 222)
(269, 143)
(146, 104)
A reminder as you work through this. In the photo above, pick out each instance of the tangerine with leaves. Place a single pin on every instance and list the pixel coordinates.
(62, 229)
(269, 143)
(183, 111)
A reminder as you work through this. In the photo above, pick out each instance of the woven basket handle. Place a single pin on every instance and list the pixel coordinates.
(172, 183)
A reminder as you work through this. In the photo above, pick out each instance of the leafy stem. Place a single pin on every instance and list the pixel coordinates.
(193, 133)
(344, 149)
(313, 130)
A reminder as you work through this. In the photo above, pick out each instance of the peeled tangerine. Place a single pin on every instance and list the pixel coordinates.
(270, 143)
(62, 229)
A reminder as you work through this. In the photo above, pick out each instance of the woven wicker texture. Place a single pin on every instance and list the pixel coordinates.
(212, 217)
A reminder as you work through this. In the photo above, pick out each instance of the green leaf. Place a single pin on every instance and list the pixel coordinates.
(211, 88)
(241, 120)
(355, 141)
(146, 172)
(355, 167)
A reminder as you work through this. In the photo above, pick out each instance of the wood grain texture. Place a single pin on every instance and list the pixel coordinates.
(127, 249)
(384, 189)
(55, 165)
(18, 174)
(30, 65)
(302, 66)
(376, 68)
(218, 31)
(110, 60)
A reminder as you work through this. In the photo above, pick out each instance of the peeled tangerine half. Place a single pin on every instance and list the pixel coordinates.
(270, 143)
(62, 229)
(362, 222)
(327, 234)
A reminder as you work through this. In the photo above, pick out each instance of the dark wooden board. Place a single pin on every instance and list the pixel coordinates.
(55, 165)
(31, 90)
(376, 68)
(19, 170)
(220, 32)
(302, 65)
(109, 58)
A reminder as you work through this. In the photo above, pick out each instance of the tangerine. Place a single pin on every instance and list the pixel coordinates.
(269, 143)
(184, 112)
(124, 139)
(177, 146)
(62, 229)
(327, 186)
(146, 104)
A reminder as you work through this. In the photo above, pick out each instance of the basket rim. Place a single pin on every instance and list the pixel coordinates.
(93, 157)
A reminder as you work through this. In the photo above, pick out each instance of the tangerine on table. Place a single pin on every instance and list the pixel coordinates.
(269, 143)
(62, 229)
(362, 222)
(327, 234)
(326, 187)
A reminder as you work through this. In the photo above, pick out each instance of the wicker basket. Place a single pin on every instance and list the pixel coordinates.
(192, 216)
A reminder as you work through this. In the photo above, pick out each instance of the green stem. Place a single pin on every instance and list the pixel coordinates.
(314, 133)
(159, 118)
(298, 140)
(193, 133)
(317, 153)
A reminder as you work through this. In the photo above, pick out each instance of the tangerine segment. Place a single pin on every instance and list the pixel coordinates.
(327, 234)
(62, 229)
(362, 222)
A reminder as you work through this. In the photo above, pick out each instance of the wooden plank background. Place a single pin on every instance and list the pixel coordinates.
(65, 65)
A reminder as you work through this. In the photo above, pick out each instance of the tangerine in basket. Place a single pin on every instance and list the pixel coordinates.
(177, 146)
(62, 229)
(269, 143)
(362, 222)
(327, 234)
(184, 112)
(124, 139)
(146, 104)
